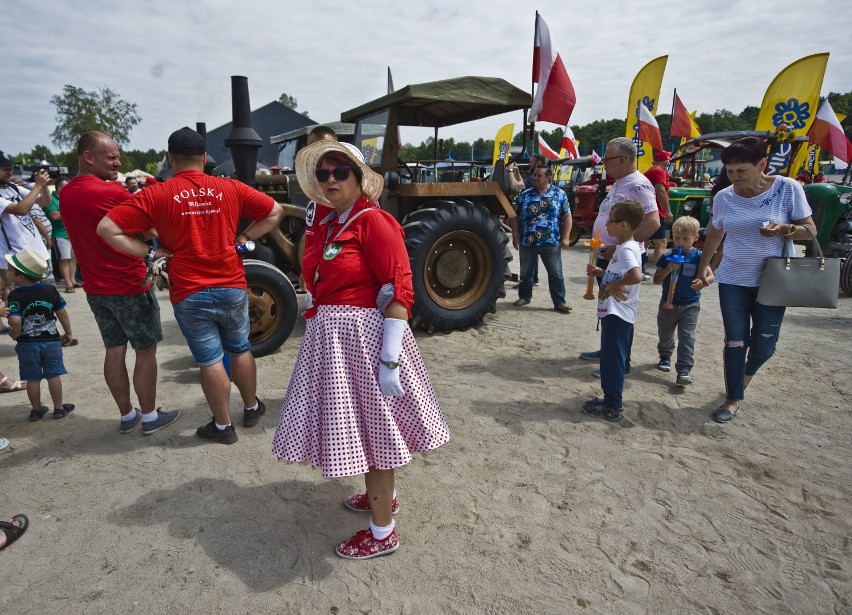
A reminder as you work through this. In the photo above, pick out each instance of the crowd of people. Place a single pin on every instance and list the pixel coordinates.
(359, 400)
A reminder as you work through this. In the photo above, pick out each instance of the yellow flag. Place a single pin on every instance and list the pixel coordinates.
(645, 91)
(793, 96)
(502, 143)
(694, 129)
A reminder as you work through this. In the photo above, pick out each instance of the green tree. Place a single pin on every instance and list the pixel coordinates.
(78, 111)
(290, 102)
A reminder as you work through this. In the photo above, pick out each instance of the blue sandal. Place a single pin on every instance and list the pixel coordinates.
(61, 413)
(37, 415)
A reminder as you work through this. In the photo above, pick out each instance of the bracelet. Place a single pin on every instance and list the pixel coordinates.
(791, 230)
(244, 234)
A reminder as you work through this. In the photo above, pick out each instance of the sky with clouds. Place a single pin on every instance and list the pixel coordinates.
(174, 59)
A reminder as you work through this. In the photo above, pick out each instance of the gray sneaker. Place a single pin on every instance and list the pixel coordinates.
(593, 355)
(596, 373)
(211, 432)
(683, 379)
(163, 419)
(127, 426)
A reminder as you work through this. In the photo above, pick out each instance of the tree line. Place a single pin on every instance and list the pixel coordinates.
(594, 136)
(78, 111)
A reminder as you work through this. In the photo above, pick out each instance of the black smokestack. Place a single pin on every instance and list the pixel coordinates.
(243, 141)
(210, 163)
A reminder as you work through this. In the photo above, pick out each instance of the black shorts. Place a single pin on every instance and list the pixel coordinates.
(660, 233)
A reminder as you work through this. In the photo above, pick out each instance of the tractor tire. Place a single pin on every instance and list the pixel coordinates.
(574, 235)
(846, 275)
(459, 258)
(273, 307)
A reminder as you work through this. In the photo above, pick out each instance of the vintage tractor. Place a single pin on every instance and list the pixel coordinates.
(457, 247)
(585, 195)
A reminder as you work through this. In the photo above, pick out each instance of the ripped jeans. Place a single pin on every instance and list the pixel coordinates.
(751, 332)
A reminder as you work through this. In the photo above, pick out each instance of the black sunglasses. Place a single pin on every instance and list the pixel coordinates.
(340, 174)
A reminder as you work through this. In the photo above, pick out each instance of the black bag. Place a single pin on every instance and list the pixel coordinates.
(811, 281)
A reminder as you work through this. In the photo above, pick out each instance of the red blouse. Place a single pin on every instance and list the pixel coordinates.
(349, 267)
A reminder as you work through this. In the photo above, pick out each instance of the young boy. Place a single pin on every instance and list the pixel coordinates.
(34, 309)
(683, 316)
(617, 299)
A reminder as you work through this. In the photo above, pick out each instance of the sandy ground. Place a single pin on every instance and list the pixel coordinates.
(532, 507)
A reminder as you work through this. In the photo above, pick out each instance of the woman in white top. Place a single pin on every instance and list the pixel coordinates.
(755, 216)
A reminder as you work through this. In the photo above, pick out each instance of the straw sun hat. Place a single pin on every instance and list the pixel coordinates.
(306, 163)
(29, 262)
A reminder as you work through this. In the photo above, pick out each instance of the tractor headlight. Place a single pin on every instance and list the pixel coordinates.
(846, 198)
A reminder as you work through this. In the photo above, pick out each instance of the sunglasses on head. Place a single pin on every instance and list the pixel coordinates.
(340, 174)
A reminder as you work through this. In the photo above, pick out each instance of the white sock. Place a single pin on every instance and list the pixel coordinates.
(380, 533)
(222, 427)
(130, 415)
(147, 417)
(254, 407)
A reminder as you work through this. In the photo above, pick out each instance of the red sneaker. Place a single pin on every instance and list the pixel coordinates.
(363, 546)
(361, 503)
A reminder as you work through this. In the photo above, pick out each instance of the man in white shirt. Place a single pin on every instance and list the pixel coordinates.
(17, 227)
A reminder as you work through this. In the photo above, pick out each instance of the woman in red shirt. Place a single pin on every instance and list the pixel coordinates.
(359, 400)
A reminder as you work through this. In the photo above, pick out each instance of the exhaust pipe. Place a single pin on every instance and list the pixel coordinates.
(243, 141)
(210, 163)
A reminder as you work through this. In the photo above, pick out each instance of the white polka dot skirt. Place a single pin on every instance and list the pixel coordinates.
(335, 416)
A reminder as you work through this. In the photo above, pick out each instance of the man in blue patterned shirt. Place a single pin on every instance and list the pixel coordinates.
(541, 229)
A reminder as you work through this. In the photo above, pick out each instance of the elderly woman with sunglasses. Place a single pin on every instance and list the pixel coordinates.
(755, 217)
(359, 400)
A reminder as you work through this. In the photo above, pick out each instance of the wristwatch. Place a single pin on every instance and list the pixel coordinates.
(790, 230)
(152, 253)
(389, 364)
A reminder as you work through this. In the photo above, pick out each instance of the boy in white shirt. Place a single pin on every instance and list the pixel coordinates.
(617, 301)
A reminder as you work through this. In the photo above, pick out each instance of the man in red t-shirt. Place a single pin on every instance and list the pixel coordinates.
(125, 309)
(659, 177)
(196, 217)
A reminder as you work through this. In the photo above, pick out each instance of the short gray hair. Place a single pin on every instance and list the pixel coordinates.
(625, 147)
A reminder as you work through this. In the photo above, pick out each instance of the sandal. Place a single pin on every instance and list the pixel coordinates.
(12, 531)
(69, 289)
(723, 415)
(37, 415)
(61, 413)
(17, 385)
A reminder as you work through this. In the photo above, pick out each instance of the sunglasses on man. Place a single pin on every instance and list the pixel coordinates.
(339, 173)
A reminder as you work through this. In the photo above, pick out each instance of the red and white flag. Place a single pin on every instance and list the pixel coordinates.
(596, 158)
(827, 132)
(569, 143)
(545, 150)
(649, 130)
(554, 98)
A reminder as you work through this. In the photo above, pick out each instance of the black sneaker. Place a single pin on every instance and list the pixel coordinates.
(211, 432)
(251, 417)
(665, 365)
(683, 379)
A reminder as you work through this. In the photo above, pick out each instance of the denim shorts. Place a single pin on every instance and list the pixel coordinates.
(40, 360)
(214, 321)
(127, 318)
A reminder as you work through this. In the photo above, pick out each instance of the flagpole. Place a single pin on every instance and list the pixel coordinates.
(674, 98)
(532, 93)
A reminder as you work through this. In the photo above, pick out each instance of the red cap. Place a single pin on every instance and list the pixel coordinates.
(662, 156)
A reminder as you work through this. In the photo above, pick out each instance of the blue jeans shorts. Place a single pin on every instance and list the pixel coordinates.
(40, 360)
(214, 321)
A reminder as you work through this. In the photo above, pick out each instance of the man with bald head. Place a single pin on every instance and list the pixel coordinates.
(125, 308)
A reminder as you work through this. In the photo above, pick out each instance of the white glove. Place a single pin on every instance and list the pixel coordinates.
(309, 300)
(391, 346)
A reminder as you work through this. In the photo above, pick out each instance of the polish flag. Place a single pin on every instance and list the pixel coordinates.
(827, 132)
(545, 150)
(596, 158)
(569, 143)
(554, 98)
(649, 130)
